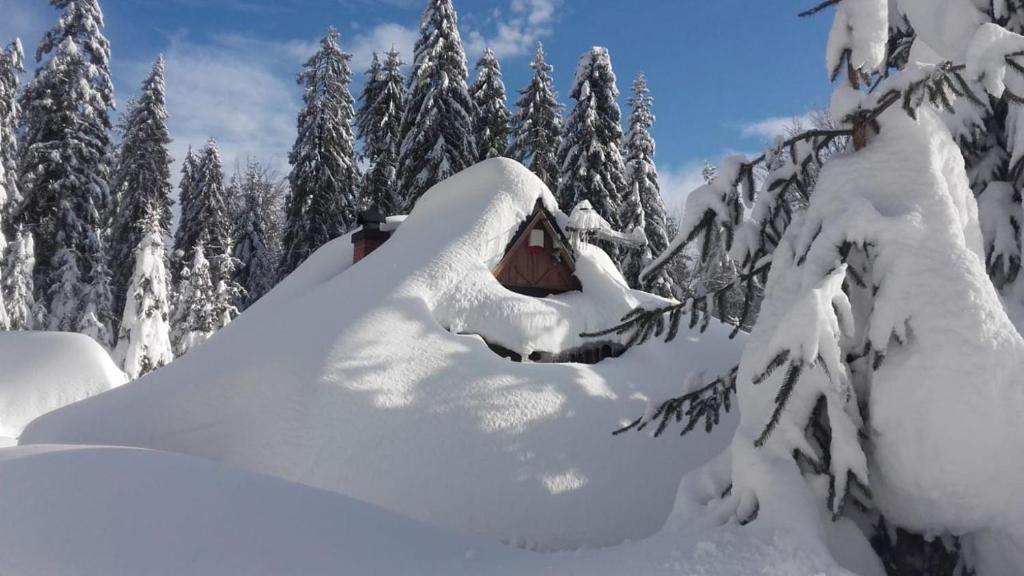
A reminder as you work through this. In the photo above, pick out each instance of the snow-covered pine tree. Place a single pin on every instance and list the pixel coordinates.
(142, 182)
(491, 117)
(11, 64)
(65, 168)
(323, 203)
(437, 127)
(878, 310)
(186, 235)
(16, 284)
(195, 318)
(144, 338)
(254, 250)
(590, 156)
(537, 124)
(379, 123)
(642, 184)
(215, 232)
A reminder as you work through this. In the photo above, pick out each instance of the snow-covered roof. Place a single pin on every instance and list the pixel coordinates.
(372, 380)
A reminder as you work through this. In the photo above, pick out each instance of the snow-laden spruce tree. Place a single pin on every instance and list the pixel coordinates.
(16, 284)
(537, 124)
(323, 203)
(65, 168)
(186, 235)
(379, 124)
(437, 127)
(643, 189)
(215, 232)
(144, 338)
(195, 317)
(256, 249)
(11, 65)
(590, 157)
(884, 369)
(142, 182)
(491, 117)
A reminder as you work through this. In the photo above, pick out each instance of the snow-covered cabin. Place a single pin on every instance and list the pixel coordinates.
(538, 261)
(394, 349)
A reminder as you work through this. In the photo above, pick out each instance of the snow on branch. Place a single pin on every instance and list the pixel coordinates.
(703, 401)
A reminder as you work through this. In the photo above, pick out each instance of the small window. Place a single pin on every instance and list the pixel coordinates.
(537, 238)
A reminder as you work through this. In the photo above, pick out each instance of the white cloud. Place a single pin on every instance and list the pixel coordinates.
(768, 128)
(236, 89)
(380, 39)
(515, 32)
(677, 183)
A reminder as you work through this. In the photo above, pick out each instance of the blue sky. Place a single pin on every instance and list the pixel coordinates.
(724, 73)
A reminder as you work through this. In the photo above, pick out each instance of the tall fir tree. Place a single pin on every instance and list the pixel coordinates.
(187, 232)
(254, 250)
(590, 157)
(194, 312)
(537, 124)
(323, 203)
(378, 124)
(491, 120)
(142, 182)
(18, 290)
(437, 127)
(65, 169)
(643, 188)
(215, 231)
(144, 336)
(11, 65)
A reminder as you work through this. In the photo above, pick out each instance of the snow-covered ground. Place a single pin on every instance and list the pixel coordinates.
(371, 381)
(42, 371)
(97, 511)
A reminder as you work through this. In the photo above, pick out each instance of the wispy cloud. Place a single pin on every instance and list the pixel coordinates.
(236, 89)
(677, 182)
(380, 38)
(515, 31)
(769, 128)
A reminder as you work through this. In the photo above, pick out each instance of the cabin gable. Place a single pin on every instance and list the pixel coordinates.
(538, 261)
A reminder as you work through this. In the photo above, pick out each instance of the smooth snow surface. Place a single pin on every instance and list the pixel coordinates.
(347, 379)
(42, 371)
(96, 511)
(101, 511)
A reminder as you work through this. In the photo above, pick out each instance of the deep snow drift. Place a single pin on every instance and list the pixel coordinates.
(350, 380)
(42, 371)
(95, 511)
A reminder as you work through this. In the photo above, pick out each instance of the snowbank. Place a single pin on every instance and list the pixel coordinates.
(351, 382)
(42, 371)
(96, 511)
(100, 511)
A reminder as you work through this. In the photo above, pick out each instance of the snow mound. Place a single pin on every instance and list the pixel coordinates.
(100, 511)
(348, 380)
(42, 371)
(96, 511)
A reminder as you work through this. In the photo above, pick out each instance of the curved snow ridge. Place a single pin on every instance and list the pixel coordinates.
(43, 371)
(96, 511)
(343, 378)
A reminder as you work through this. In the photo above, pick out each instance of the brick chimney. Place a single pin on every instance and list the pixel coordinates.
(370, 236)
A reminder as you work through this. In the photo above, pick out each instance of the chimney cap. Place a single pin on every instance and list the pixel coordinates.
(371, 217)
